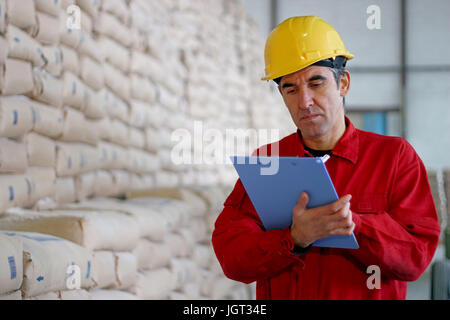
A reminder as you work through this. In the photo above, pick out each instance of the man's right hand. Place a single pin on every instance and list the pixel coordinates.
(309, 225)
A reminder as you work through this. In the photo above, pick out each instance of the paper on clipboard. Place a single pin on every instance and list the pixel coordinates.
(275, 195)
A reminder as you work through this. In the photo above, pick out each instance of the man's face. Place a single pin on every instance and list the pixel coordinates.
(315, 102)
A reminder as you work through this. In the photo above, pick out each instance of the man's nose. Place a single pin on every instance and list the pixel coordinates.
(305, 99)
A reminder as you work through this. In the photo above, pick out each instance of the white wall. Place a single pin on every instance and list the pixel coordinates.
(428, 93)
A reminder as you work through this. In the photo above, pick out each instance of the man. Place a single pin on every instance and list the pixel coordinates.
(385, 195)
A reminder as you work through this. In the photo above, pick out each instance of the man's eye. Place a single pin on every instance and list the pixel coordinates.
(316, 84)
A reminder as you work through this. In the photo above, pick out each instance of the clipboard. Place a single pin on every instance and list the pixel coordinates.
(274, 185)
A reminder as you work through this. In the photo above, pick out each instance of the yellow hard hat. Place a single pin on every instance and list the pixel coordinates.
(299, 42)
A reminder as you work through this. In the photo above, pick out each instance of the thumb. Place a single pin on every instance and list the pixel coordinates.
(303, 200)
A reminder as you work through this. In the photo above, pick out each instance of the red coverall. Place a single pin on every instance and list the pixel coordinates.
(397, 227)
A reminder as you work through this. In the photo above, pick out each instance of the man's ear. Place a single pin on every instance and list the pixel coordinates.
(344, 83)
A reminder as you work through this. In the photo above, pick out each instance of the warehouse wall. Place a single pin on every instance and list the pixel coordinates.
(428, 91)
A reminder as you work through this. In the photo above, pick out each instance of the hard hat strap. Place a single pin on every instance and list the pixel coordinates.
(336, 63)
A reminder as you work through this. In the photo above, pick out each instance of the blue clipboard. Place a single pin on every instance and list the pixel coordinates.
(274, 185)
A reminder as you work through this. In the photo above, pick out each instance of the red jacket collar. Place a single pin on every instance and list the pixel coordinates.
(347, 147)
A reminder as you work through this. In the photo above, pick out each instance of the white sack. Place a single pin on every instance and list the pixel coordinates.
(48, 120)
(113, 156)
(22, 46)
(175, 212)
(64, 190)
(70, 61)
(152, 141)
(126, 269)
(103, 268)
(66, 3)
(67, 159)
(22, 14)
(152, 219)
(117, 108)
(13, 156)
(75, 295)
(121, 181)
(108, 25)
(48, 29)
(15, 190)
(202, 255)
(191, 290)
(17, 77)
(11, 264)
(46, 296)
(103, 183)
(69, 36)
(183, 270)
(89, 47)
(119, 133)
(165, 179)
(116, 81)
(16, 295)
(95, 105)
(2, 16)
(222, 288)
(95, 230)
(50, 7)
(152, 255)
(84, 185)
(90, 6)
(139, 114)
(86, 22)
(44, 183)
(115, 54)
(77, 129)
(118, 8)
(154, 284)
(47, 263)
(91, 73)
(53, 55)
(47, 88)
(3, 49)
(142, 89)
(73, 91)
(41, 151)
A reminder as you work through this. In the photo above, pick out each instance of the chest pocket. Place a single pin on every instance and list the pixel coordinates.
(369, 203)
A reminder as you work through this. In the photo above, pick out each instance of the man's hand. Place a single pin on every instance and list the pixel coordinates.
(309, 225)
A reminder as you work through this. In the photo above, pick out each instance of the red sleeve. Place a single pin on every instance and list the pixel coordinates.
(401, 240)
(245, 251)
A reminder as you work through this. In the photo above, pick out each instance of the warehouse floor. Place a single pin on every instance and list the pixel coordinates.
(420, 289)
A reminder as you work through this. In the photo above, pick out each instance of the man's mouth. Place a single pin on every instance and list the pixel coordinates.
(309, 117)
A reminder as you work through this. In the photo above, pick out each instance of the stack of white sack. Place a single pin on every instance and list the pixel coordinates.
(111, 235)
(214, 283)
(11, 267)
(163, 237)
(51, 265)
(187, 241)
